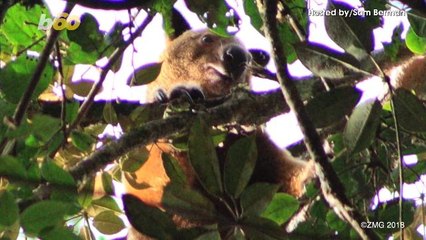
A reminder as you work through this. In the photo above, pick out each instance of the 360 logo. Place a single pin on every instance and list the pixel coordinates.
(59, 23)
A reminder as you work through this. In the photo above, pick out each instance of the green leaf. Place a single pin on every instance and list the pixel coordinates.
(335, 222)
(145, 74)
(107, 203)
(288, 39)
(17, 75)
(13, 168)
(109, 113)
(250, 8)
(410, 111)
(174, 170)
(412, 174)
(81, 87)
(87, 35)
(71, 111)
(203, 158)
(361, 127)
(82, 140)
(215, 13)
(85, 196)
(326, 62)
(108, 223)
(44, 126)
(107, 183)
(43, 215)
(214, 235)
(56, 175)
(59, 232)
(256, 197)
(281, 208)
(417, 23)
(20, 25)
(75, 55)
(134, 159)
(8, 208)
(389, 213)
(148, 220)
(261, 228)
(352, 33)
(63, 185)
(239, 165)
(188, 203)
(415, 43)
(334, 105)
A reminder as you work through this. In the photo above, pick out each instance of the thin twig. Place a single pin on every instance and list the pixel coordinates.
(114, 57)
(331, 185)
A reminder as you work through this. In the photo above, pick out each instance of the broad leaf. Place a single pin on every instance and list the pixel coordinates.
(203, 158)
(334, 105)
(16, 77)
(281, 208)
(261, 228)
(108, 222)
(361, 127)
(417, 23)
(145, 74)
(82, 140)
(174, 170)
(239, 165)
(188, 203)
(415, 43)
(148, 220)
(325, 62)
(43, 215)
(257, 197)
(56, 175)
(352, 33)
(59, 232)
(8, 208)
(134, 160)
(106, 203)
(107, 183)
(87, 35)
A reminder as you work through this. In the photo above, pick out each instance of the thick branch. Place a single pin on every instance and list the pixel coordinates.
(331, 185)
(242, 108)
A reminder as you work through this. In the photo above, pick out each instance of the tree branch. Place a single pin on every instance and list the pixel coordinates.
(242, 108)
(331, 185)
(82, 111)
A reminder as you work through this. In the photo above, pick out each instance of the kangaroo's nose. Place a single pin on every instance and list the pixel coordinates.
(235, 61)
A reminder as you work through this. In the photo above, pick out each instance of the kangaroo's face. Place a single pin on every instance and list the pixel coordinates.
(204, 60)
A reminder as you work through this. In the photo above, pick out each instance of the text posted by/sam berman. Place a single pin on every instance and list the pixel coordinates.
(355, 12)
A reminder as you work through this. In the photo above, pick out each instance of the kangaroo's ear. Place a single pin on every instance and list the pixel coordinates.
(179, 24)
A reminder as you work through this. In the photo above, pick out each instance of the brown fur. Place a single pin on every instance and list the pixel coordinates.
(411, 76)
(189, 61)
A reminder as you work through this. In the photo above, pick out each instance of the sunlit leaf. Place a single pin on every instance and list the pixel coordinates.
(145, 74)
(43, 215)
(108, 223)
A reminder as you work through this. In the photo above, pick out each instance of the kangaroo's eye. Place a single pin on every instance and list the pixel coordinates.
(207, 39)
